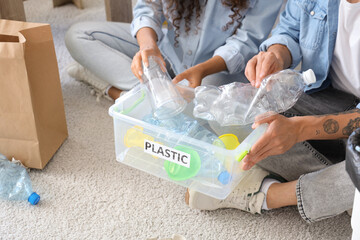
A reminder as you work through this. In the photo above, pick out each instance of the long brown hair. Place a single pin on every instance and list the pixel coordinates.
(184, 9)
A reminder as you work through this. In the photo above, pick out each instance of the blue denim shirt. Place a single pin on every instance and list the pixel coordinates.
(308, 28)
(210, 40)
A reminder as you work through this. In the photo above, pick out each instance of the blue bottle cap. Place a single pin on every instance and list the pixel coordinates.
(34, 198)
(224, 177)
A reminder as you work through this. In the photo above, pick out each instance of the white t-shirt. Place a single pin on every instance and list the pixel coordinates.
(345, 65)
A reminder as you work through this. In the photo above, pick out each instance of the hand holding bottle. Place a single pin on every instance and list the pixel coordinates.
(276, 58)
(148, 47)
(281, 135)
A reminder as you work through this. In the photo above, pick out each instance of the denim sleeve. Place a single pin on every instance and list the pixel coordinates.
(287, 32)
(255, 28)
(148, 15)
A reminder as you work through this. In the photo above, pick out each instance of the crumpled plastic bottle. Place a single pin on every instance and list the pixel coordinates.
(15, 182)
(239, 103)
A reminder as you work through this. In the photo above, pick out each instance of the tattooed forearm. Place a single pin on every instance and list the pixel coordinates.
(351, 126)
(331, 126)
(317, 132)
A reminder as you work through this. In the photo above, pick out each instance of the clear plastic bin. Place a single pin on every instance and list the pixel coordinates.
(137, 144)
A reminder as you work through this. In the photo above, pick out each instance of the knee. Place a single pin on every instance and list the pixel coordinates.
(75, 34)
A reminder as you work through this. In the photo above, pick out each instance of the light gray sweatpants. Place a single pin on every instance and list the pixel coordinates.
(107, 49)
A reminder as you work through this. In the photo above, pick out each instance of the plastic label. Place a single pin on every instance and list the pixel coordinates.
(167, 153)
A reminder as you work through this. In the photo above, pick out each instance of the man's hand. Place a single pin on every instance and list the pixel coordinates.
(194, 75)
(275, 59)
(280, 136)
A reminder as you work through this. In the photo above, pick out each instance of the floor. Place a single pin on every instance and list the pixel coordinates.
(86, 194)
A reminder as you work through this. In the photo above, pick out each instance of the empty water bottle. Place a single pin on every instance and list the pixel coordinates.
(240, 104)
(15, 182)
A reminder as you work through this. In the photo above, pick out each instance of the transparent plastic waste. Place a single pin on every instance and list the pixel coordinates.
(15, 182)
(144, 144)
(239, 103)
(165, 98)
(187, 126)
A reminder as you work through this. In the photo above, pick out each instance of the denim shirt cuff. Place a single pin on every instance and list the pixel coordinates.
(233, 59)
(144, 21)
(288, 42)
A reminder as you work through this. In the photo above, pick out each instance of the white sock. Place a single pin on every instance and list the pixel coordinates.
(264, 188)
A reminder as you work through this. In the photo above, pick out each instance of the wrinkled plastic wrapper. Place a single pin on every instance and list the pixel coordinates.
(353, 158)
(241, 104)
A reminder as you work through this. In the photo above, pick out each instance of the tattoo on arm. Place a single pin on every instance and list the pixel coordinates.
(351, 126)
(331, 126)
(317, 132)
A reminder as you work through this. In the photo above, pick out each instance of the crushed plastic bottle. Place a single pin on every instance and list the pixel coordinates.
(186, 126)
(239, 103)
(15, 182)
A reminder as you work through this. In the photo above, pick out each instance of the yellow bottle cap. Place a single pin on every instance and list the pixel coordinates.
(230, 140)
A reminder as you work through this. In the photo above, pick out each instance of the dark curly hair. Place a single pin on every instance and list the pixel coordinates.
(184, 9)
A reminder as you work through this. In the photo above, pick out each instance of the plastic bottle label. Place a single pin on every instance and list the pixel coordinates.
(167, 153)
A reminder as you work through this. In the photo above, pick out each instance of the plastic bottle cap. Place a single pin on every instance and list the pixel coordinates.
(34, 198)
(309, 77)
(230, 140)
(180, 173)
(224, 177)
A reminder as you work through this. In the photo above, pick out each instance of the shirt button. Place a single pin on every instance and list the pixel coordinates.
(189, 52)
(312, 13)
(185, 66)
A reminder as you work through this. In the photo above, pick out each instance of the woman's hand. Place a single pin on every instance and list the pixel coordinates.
(280, 136)
(194, 75)
(143, 56)
(147, 39)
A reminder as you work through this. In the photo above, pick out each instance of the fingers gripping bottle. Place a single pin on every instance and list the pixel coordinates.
(15, 182)
(279, 92)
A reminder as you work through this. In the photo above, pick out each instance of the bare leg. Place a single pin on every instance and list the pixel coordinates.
(187, 196)
(114, 93)
(281, 195)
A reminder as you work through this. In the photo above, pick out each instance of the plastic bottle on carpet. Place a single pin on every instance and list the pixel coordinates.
(15, 182)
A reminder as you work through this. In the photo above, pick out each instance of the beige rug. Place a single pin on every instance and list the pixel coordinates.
(86, 194)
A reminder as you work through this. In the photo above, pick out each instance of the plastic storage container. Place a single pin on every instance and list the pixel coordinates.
(174, 157)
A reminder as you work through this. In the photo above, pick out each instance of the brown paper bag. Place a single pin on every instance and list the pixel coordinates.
(32, 117)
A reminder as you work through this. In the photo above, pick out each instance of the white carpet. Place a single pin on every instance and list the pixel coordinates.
(86, 194)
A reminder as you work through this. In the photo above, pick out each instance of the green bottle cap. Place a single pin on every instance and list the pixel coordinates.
(177, 172)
